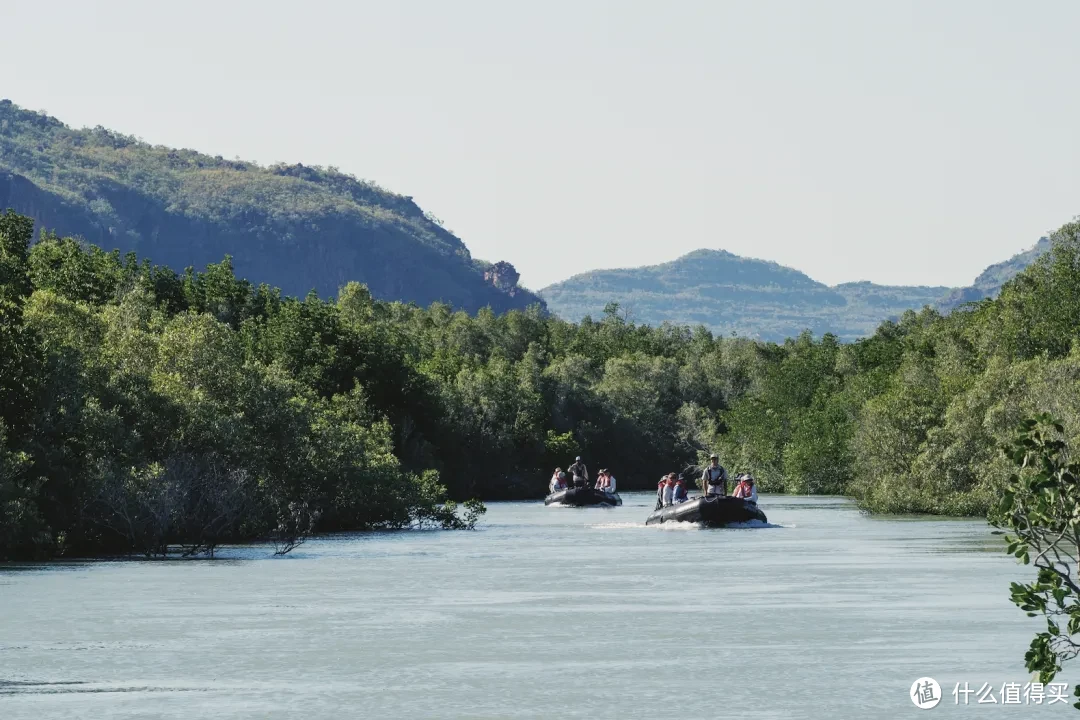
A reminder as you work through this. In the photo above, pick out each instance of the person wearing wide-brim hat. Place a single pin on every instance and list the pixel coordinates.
(605, 481)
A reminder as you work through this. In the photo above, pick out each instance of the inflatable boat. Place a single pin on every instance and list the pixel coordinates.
(582, 496)
(712, 511)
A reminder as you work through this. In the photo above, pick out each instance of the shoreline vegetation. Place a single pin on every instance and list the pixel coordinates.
(143, 409)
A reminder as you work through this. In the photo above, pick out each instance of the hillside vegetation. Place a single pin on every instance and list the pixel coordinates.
(730, 294)
(291, 226)
(138, 406)
(733, 295)
(993, 278)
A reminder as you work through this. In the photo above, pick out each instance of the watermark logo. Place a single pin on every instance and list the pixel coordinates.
(925, 693)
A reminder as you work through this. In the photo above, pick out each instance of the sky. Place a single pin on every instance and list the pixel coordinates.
(899, 142)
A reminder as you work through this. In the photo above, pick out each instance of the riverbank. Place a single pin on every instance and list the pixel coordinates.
(141, 407)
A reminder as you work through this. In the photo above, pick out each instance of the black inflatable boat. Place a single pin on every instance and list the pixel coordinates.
(712, 511)
(582, 496)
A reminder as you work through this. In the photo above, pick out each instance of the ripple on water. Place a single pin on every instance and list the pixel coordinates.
(540, 614)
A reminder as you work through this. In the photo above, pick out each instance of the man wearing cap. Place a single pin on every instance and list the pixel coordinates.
(579, 473)
(714, 479)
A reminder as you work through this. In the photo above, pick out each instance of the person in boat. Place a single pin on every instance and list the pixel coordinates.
(579, 473)
(660, 492)
(714, 479)
(558, 480)
(746, 489)
(669, 489)
(678, 494)
(605, 481)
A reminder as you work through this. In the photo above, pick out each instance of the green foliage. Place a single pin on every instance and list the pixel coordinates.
(213, 412)
(991, 280)
(15, 234)
(434, 509)
(1038, 310)
(295, 226)
(148, 411)
(1040, 511)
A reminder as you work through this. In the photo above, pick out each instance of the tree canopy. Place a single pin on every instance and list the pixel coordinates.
(139, 403)
(297, 227)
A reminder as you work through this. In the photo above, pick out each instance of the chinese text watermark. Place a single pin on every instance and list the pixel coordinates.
(926, 693)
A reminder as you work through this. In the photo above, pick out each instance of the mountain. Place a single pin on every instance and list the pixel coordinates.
(728, 293)
(291, 226)
(989, 283)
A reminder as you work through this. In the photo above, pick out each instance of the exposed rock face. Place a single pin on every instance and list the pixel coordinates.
(504, 276)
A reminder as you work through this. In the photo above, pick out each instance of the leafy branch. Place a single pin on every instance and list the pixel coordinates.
(1040, 514)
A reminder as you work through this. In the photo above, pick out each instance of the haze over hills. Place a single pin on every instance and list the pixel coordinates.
(301, 228)
(990, 280)
(291, 226)
(758, 298)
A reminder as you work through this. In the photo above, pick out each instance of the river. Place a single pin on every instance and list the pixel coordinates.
(542, 613)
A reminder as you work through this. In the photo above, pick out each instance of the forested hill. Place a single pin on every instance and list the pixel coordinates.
(294, 227)
(991, 280)
(728, 293)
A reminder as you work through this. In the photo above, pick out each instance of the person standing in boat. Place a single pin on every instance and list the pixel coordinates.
(714, 479)
(660, 492)
(678, 494)
(746, 489)
(669, 489)
(579, 473)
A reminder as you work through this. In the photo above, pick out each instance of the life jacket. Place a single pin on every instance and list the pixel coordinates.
(680, 491)
(713, 475)
(577, 469)
(743, 490)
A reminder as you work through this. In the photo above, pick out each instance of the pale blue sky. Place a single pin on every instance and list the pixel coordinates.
(899, 142)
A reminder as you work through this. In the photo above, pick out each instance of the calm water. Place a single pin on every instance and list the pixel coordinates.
(543, 613)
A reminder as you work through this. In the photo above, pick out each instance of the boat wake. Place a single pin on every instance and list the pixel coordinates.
(754, 525)
(685, 526)
(629, 525)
